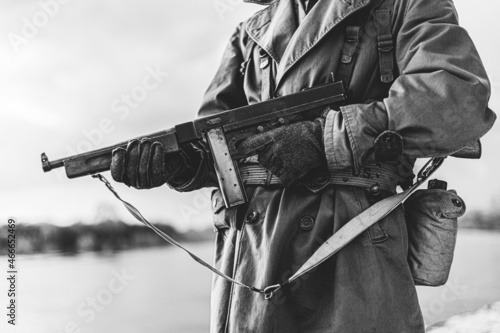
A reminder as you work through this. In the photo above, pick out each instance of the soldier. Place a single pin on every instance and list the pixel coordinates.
(416, 88)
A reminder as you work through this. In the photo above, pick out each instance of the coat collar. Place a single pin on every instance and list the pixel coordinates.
(275, 30)
(260, 2)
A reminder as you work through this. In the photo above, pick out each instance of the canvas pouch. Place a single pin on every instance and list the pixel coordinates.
(431, 217)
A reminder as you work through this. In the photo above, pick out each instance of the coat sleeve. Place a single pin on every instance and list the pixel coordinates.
(225, 92)
(439, 102)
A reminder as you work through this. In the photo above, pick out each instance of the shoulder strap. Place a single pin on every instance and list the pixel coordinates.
(385, 43)
(347, 60)
(381, 11)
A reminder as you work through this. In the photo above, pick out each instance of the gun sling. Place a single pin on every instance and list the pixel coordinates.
(335, 243)
(383, 175)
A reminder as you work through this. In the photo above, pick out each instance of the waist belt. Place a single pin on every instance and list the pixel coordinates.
(383, 176)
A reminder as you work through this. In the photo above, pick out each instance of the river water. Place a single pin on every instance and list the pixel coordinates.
(163, 290)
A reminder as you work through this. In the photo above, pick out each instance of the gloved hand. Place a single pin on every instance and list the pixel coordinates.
(289, 152)
(144, 164)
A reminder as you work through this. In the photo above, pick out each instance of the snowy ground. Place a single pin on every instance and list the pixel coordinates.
(484, 320)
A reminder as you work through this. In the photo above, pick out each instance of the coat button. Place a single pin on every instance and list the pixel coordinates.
(346, 59)
(306, 223)
(457, 203)
(252, 216)
(375, 190)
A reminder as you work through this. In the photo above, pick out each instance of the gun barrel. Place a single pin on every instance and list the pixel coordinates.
(47, 165)
(100, 160)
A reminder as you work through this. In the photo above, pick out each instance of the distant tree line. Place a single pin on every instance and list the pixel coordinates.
(108, 236)
(480, 220)
(111, 236)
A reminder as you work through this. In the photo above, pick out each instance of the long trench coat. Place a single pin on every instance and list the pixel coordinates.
(437, 103)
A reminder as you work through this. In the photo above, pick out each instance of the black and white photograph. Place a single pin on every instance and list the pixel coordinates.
(249, 166)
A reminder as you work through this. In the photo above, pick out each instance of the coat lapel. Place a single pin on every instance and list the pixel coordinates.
(275, 30)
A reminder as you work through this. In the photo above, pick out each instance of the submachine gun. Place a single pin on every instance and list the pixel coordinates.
(223, 131)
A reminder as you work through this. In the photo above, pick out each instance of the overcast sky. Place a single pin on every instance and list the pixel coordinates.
(66, 76)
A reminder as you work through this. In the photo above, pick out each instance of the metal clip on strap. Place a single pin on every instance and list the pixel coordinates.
(429, 168)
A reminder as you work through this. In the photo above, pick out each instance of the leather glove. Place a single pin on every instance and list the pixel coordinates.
(289, 152)
(144, 164)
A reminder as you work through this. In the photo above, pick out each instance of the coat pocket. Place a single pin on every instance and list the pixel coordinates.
(431, 217)
(377, 233)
